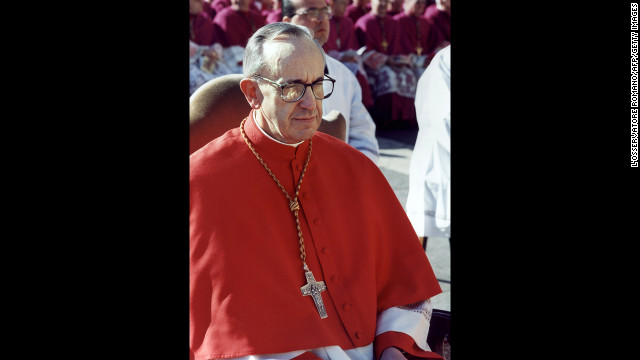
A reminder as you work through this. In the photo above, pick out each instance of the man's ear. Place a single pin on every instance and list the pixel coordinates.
(251, 92)
(286, 19)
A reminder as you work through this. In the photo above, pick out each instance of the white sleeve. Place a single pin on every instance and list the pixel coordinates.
(362, 129)
(347, 98)
(413, 320)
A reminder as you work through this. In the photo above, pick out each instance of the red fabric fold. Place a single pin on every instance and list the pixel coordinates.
(403, 342)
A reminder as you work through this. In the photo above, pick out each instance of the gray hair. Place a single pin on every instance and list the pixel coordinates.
(253, 60)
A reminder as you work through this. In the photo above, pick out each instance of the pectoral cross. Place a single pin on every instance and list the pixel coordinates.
(314, 288)
(419, 50)
(384, 45)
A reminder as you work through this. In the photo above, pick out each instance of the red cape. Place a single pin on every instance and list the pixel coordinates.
(245, 269)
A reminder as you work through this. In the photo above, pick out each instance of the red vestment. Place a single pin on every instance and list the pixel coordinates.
(408, 27)
(236, 27)
(201, 29)
(245, 267)
(440, 19)
(394, 88)
(342, 29)
(274, 16)
(355, 12)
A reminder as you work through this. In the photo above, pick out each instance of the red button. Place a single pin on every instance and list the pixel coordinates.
(298, 166)
(335, 279)
(358, 334)
(306, 195)
(326, 251)
(347, 307)
(317, 221)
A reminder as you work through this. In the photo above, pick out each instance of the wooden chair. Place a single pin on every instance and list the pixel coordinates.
(220, 105)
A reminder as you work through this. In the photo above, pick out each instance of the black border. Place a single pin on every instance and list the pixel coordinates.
(95, 180)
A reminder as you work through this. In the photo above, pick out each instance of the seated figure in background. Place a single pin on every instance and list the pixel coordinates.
(419, 38)
(390, 73)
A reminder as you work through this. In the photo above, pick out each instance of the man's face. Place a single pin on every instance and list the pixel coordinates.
(320, 25)
(379, 7)
(416, 7)
(339, 7)
(294, 60)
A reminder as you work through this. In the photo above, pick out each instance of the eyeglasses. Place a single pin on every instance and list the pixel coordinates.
(314, 13)
(292, 92)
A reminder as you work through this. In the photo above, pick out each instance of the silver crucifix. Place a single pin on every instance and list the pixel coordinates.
(314, 288)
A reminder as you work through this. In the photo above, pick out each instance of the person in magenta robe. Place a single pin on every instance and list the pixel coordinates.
(298, 245)
(358, 8)
(418, 37)
(236, 23)
(201, 28)
(439, 14)
(207, 7)
(205, 51)
(275, 14)
(390, 73)
(342, 36)
(218, 5)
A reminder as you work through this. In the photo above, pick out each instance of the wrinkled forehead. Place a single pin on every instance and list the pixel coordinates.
(290, 57)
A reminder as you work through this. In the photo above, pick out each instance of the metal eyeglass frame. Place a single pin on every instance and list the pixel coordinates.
(328, 14)
(282, 86)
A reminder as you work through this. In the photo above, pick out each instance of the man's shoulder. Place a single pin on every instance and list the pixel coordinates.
(217, 152)
(340, 151)
(399, 16)
(226, 12)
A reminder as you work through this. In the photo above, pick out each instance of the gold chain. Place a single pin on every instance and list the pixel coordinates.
(293, 203)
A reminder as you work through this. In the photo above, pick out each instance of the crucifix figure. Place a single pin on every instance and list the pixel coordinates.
(314, 288)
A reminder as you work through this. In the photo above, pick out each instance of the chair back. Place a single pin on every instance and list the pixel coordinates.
(214, 108)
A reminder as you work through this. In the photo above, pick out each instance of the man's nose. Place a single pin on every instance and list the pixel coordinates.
(308, 101)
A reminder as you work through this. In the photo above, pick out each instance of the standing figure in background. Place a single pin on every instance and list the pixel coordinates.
(341, 37)
(357, 9)
(207, 7)
(275, 14)
(429, 199)
(204, 50)
(439, 14)
(391, 76)
(236, 23)
(347, 94)
(419, 39)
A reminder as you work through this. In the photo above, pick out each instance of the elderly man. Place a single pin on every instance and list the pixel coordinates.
(347, 97)
(299, 248)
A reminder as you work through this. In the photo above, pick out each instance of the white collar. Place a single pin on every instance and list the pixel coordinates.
(269, 136)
